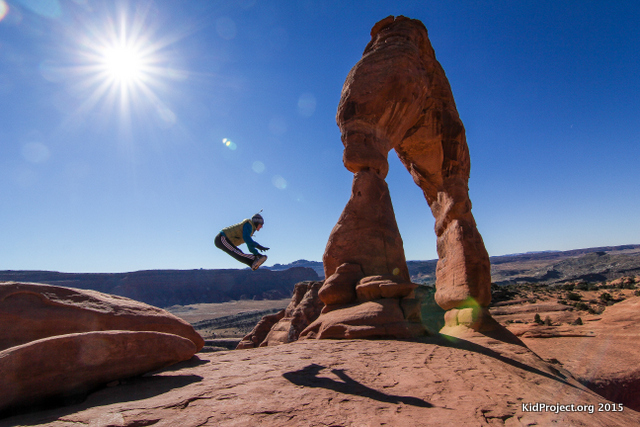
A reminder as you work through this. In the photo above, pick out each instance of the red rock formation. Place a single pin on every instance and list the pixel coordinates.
(602, 353)
(367, 233)
(260, 331)
(65, 365)
(398, 97)
(434, 382)
(286, 326)
(383, 317)
(65, 341)
(37, 311)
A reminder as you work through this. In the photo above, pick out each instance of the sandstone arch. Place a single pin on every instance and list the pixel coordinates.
(398, 97)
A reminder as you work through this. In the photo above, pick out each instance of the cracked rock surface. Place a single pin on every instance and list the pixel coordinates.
(478, 380)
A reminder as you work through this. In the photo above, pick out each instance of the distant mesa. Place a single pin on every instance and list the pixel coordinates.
(164, 288)
(314, 265)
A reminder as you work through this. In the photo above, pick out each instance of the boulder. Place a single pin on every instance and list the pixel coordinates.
(37, 311)
(58, 367)
(304, 308)
(340, 286)
(376, 287)
(371, 319)
(260, 331)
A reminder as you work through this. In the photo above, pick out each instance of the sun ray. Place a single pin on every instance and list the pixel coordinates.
(125, 61)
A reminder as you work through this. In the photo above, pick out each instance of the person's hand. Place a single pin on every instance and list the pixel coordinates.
(264, 249)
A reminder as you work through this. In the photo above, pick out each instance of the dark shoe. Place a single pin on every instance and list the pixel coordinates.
(258, 262)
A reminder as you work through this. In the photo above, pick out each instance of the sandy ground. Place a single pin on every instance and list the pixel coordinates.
(197, 312)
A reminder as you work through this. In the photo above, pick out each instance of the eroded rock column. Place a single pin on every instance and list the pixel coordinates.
(398, 97)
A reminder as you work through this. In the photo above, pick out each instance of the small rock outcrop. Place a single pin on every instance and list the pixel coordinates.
(285, 327)
(398, 97)
(62, 366)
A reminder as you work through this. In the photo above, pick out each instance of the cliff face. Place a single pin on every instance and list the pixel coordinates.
(164, 288)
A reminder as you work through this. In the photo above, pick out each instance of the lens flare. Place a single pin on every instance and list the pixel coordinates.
(226, 28)
(45, 8)
(51, 71)
(278, 126)
(35, 152)
(306, 104)
(258, 166)
(279, 182)
(229, 144)
(4, 9)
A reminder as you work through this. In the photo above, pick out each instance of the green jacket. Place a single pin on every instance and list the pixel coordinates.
(234, 232)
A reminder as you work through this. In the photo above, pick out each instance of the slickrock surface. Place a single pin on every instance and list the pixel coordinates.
(67, 365)
(37, 311)
(603, 352)
(438, 382)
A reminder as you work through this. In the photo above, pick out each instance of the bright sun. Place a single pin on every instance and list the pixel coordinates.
(123, 64)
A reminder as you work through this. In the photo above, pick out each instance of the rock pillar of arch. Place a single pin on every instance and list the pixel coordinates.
(398, 97)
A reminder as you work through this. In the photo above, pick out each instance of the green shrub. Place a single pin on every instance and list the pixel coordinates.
(574, 296)
(582, 306)
(605, 297)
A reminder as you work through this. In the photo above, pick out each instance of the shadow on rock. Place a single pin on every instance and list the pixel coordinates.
(195, 361)
(141, 388)
(464, 344)
(133, 389)
(308, 377)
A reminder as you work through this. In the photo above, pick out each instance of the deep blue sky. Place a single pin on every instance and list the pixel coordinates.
(101, 176)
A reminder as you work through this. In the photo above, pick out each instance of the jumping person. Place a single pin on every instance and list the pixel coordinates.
(233, 236)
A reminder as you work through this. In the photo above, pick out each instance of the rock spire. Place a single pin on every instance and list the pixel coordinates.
(398, 97)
